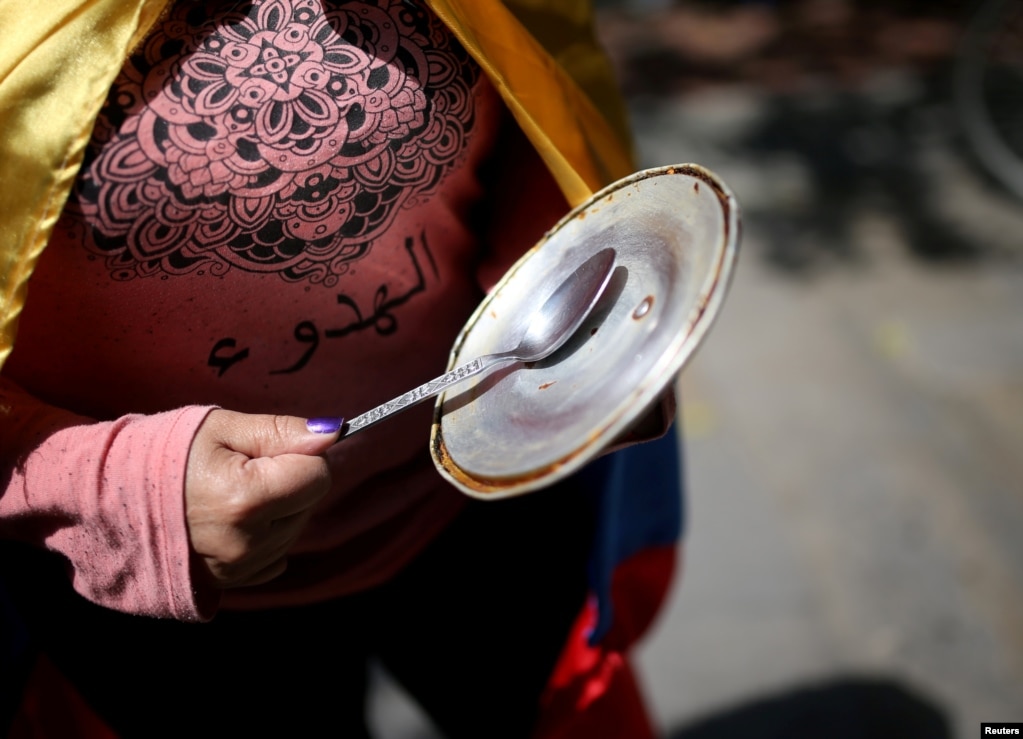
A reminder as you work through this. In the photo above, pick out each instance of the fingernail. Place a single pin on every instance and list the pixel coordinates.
(325, 425)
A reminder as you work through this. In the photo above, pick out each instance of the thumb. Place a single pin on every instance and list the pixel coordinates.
(273, 435)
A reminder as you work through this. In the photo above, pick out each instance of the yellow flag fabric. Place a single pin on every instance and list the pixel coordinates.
(58, 60)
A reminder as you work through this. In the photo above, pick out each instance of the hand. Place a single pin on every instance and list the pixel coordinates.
(251, 484)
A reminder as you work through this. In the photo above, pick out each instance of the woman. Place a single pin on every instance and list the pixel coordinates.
(287, 209)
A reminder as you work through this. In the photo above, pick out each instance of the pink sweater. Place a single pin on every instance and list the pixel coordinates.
(275, 217)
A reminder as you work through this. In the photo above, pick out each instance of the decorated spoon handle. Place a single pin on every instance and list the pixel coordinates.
(425, 391)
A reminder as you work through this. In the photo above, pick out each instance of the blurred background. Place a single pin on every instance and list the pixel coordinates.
(854, 423)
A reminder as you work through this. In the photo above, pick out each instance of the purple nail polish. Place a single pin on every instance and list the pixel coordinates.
(325, 425)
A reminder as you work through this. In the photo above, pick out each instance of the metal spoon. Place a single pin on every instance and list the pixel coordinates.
(548, 329)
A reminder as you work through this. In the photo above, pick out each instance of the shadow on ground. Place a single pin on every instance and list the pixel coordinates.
(855, 115)
(857, 151)
(848, 708)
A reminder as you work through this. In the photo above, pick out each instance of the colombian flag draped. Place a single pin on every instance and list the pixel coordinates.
(593, 691)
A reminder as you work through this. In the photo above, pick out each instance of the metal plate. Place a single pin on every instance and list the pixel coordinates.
(675, 232)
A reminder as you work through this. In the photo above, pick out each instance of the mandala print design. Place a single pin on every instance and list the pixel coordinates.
(283, 138)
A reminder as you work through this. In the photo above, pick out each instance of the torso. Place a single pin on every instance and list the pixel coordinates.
(274, 216)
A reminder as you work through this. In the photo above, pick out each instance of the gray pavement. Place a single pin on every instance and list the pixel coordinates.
(855, 456)
(854, 434)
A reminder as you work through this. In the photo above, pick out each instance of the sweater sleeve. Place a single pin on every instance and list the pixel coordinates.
(109, 497)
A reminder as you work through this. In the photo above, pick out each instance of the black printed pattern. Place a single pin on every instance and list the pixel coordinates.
(278, 137)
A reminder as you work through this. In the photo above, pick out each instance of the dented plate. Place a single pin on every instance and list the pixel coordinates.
(675, 232)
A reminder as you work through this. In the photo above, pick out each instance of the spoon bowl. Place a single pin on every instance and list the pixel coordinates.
(564, 311)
